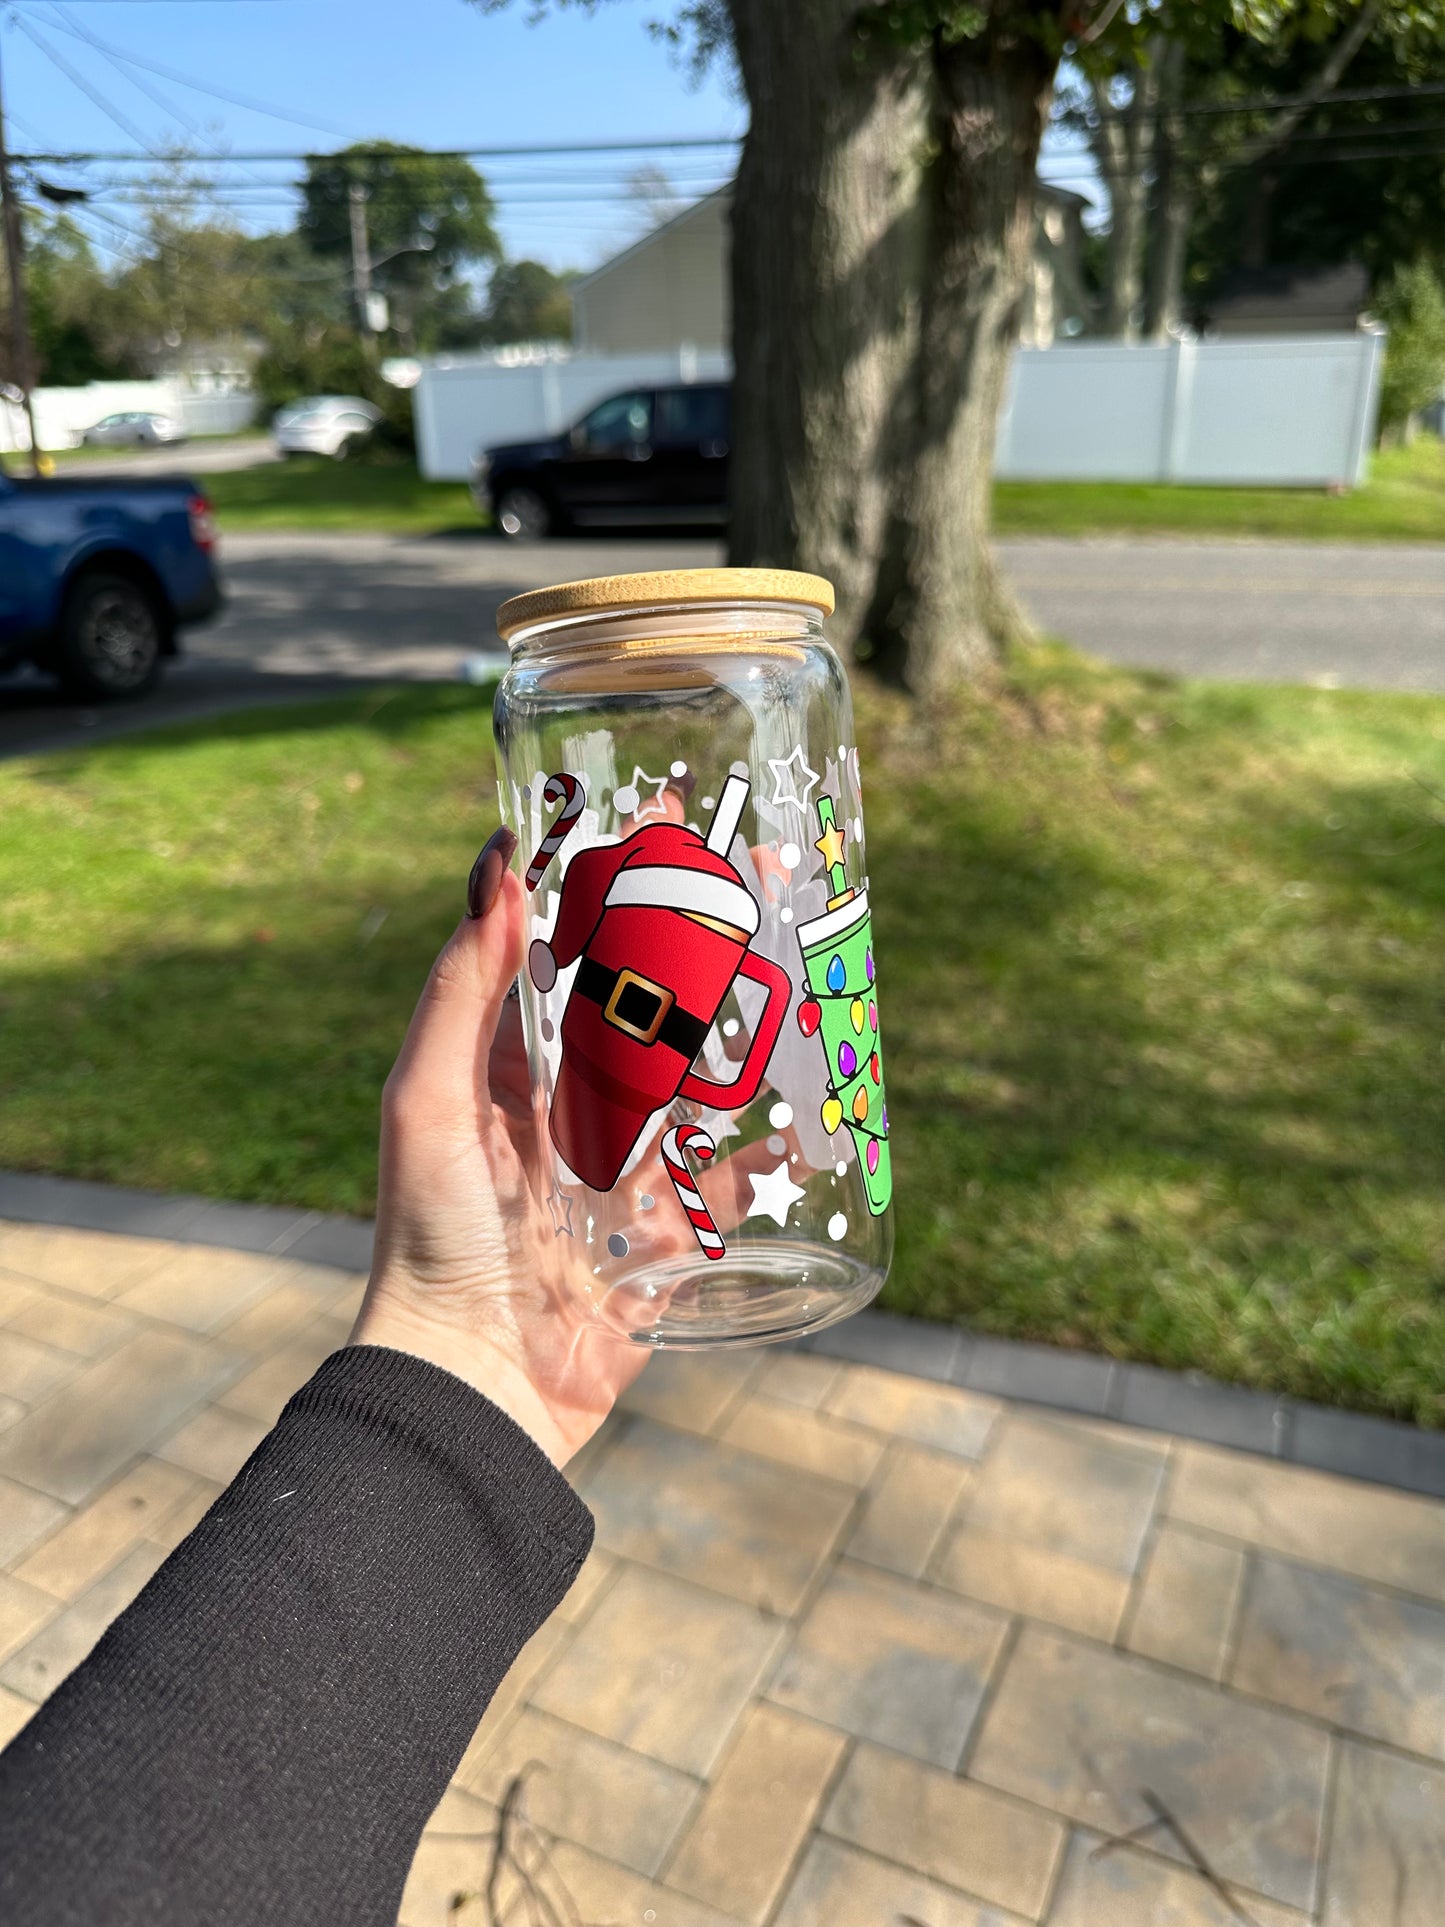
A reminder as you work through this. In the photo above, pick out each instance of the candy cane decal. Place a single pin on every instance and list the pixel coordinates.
(680, 1138)
(567, 791)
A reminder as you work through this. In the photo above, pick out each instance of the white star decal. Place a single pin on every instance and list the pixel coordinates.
(652, 805)
(785, 789)
(774, 1195)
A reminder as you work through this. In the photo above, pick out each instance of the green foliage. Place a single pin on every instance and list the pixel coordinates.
(1412, 306)
(1160, 969)
(526, 302)
(335, 363)
(428, 221)
(193, 284)
(67, 291)
(1358, 182)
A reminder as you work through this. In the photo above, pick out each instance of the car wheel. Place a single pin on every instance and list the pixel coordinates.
(524, 514)
(112, 637)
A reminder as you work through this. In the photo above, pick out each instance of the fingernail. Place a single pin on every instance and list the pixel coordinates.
(488, 871)
(684, 784)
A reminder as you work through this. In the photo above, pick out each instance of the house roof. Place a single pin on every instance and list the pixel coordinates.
(652, 237)
(1046, 191)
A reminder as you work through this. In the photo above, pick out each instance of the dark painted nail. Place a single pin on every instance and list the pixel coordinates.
(488, 871)
(684, 784)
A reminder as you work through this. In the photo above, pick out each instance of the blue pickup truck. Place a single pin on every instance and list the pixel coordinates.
(97, 576)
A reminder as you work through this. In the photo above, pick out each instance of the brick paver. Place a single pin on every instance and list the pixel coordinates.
(853, 1648)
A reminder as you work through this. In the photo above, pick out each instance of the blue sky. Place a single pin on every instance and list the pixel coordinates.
(434, 72)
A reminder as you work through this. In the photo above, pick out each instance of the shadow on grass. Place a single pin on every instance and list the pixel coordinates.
(1168, 1087)
(1201, 1129)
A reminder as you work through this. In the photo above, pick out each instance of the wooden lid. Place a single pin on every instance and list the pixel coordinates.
(658, 588)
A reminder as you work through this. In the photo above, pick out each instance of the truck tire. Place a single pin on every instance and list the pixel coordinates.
(112, 637)
(524, 514)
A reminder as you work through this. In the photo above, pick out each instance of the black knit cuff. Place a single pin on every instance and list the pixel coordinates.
(459, 1430)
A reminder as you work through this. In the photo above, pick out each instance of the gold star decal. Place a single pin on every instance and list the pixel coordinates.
(831, 844)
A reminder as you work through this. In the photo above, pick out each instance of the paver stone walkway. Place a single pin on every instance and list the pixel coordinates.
(854, 1649)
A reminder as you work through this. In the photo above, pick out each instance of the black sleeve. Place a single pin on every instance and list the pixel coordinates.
(259, 1740)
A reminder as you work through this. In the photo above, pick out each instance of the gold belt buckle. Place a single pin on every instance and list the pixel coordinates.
(626, 980)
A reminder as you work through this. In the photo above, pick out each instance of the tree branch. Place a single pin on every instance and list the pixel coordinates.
(1288, 118)
(1100, 26)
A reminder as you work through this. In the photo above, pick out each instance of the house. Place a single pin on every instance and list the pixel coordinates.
(1057, 301)
(1289, 301)
(669, 290)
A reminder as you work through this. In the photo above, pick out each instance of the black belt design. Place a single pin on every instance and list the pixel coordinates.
(640, 1008)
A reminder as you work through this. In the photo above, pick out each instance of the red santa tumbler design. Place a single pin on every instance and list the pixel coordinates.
(659, 926)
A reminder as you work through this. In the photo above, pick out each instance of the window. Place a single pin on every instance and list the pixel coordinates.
(618, 422)
(692, 417)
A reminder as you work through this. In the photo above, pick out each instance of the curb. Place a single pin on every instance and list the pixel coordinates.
(1317, 1437)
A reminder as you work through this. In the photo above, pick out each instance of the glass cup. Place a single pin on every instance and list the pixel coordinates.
(675, 752)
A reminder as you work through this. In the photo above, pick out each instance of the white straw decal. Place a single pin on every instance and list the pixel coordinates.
(728, 814)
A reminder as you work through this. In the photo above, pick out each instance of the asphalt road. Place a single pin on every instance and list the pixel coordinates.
(308, 614)
(1336, 615)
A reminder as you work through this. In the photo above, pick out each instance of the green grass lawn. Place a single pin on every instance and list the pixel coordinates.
(1403, 501)
(1162, 980)
(309, 492)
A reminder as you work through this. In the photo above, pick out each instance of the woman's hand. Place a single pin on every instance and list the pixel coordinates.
(468, 1270)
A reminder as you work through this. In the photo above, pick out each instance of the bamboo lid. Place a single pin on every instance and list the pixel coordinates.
(659, 588)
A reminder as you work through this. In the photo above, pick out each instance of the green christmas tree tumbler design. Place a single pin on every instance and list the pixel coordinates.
(842, 1011)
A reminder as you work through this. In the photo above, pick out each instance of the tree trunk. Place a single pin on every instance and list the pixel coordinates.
(1124, 147)
(1172, 209)
(882, 242)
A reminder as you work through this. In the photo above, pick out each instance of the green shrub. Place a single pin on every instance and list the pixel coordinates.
(1412, 307)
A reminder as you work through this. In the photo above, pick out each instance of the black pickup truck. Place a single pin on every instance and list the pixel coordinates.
(646, 455)
(97, 576)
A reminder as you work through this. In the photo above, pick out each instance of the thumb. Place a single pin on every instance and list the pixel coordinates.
(442, 1069)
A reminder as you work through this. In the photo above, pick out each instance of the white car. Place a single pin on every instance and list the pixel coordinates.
(323, 424)
(135, 430)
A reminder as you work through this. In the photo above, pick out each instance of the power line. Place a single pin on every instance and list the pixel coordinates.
(115, 56)
(151, 93)
(247, 101)
(362, 150)
(111, 113)
(1262, 103)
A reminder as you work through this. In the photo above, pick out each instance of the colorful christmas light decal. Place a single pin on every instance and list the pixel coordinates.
(692, 1137)
(841, 1010)
(567, 791)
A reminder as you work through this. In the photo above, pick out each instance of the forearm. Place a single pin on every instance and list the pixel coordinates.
(260, 1738)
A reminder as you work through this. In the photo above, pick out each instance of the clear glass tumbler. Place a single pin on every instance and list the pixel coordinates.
(675, 752)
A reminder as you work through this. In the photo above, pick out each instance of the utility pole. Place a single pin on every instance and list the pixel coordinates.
(361, 264)
(15, 267)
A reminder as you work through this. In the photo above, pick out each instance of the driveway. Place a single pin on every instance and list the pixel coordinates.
(312, 613)
(191, 458)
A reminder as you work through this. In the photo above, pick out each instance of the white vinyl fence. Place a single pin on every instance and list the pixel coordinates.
(461, 406)
(218, 414)
(63, 414)
(1284, 411)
